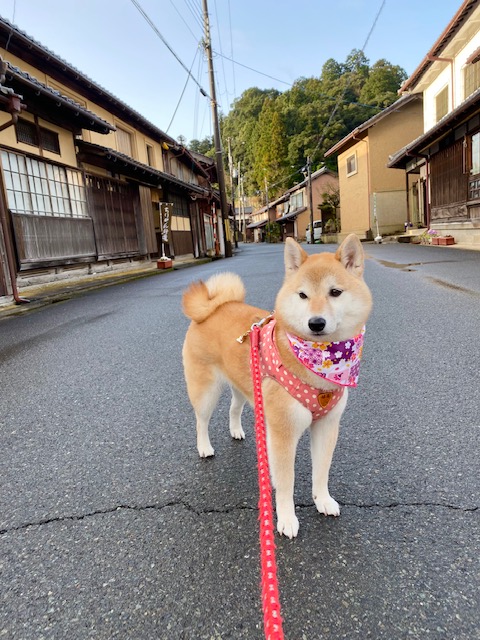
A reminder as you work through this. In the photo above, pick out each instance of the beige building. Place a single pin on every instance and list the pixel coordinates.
(372, 197)
(442, 166)
(292, 209)
(84, 178)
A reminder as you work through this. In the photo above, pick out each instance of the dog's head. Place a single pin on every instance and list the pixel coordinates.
(324, 296)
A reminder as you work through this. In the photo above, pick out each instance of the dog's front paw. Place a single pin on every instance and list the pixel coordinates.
(288, 526)
(237, 433)
(206, 451)
(327, 505)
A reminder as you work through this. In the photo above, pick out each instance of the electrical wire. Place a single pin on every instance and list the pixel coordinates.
(13, 22)
(324, 95)
(251, 69)
(347, 84)
(220, 45)
(195, 11)
(231, 47)
(183, 91)
(184, 21)
(155, 29)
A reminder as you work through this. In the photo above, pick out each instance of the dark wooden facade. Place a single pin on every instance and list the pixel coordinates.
(77, 201)
(112, 206)
(449, 183)
(43, 241)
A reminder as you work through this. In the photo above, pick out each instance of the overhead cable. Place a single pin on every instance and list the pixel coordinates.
(183, 20)
(341, 96)
(153, 26)
(183, 91)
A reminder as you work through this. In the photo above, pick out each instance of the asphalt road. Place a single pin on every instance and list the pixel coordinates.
(112, 527)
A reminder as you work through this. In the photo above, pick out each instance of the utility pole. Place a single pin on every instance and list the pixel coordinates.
(241, 197)
(216, 135)
(266, 198)
(232, 171)
(310, 198)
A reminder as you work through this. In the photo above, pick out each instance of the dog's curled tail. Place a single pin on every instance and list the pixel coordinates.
(201, 299)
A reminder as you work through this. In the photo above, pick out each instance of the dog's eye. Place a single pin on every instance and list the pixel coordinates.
(335, 293)
(302, 295)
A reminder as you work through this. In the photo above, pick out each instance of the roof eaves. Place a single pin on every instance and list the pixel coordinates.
(78, 75)
(25, 78)
(350, 138)
(99, 150)
(445, 37)
(439, 130)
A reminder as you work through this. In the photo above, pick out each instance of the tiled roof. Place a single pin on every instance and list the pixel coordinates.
(116, 156)
(398, 104)
(26, 78)
(467, 108)
(12, 30)
(458, 20)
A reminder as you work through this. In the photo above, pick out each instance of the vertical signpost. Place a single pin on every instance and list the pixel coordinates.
(165, 208)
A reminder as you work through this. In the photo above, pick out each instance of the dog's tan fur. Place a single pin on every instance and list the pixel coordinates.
(212, 356)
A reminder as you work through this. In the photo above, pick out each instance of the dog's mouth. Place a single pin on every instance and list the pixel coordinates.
(318, 334)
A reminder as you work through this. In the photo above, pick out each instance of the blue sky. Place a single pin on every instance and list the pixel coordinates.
(111, 42)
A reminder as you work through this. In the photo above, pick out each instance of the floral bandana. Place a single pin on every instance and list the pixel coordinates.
(337, 362)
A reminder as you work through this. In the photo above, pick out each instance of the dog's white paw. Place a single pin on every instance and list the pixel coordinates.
(288, 526)
(327, 505)
(237, 433)
(206, 451)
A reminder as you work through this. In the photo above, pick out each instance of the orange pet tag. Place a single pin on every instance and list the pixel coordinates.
(324, 399)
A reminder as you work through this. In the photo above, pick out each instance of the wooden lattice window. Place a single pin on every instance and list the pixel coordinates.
(36, 136)
(41, 188)
(441, 103)
(150, 156)
(124, 141)
(471, 78)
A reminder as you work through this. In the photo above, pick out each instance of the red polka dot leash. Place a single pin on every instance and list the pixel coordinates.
(272, 620)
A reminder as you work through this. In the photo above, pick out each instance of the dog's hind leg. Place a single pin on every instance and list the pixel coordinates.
(236, 408)
(204, 388)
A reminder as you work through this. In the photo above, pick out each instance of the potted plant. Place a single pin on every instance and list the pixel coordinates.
(429, 236)
(446, 240)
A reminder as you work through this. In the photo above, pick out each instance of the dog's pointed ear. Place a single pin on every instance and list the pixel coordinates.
(294, 256)
(350, 254)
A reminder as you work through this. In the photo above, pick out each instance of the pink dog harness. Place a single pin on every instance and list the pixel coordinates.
(318, 402)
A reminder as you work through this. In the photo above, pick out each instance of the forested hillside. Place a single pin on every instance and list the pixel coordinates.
(272, 133)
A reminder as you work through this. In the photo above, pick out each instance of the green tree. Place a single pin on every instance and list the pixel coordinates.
(272, 133)
(206, 146)
(240, 125)
(383, 82)
(270, 156)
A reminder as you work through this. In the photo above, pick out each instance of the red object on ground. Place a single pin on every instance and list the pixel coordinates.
(446, 240)
(164, 264)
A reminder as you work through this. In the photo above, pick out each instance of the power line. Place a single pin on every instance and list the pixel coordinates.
(220, 45)
(183, 20)
(195, 11)
(183, 91)
(251, 69)
(347, 84)
(324, 95)
(154, 27)
(231, 47)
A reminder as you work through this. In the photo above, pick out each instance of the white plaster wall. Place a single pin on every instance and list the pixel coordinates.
(456, 97)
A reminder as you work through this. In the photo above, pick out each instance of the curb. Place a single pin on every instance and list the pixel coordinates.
(61, 292)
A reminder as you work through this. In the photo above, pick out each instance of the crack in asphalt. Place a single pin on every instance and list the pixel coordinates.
(200, 512)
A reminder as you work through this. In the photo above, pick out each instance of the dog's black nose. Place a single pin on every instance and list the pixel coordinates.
(317, 324)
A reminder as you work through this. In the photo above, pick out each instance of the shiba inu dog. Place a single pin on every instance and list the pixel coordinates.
(310, 355)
